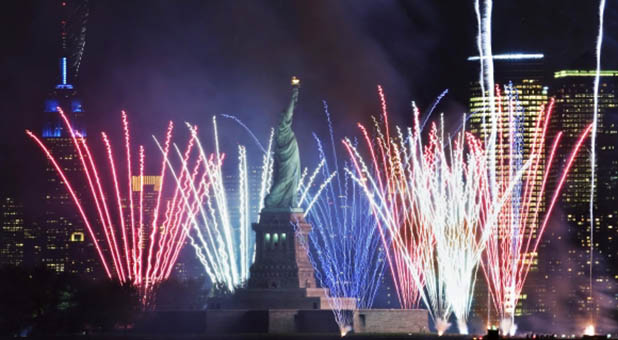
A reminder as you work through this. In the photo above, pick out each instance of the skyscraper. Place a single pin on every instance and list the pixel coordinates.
(184, 268)
(526, 75)
(64, 247)
(151, 186)
(570, 237)
(62, 236)
(12, 232)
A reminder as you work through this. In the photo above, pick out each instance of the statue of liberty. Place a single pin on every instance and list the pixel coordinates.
(283, 192)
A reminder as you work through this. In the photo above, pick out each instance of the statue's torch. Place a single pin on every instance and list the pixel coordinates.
(295, 82)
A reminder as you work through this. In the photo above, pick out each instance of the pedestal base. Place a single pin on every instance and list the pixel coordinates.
(290, 321)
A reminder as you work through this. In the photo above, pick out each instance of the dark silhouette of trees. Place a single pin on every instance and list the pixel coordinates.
(175, 294)
(39, 301)
(106, 305)
(17, 307)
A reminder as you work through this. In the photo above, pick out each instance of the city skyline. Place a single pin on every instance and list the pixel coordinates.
(93, 82)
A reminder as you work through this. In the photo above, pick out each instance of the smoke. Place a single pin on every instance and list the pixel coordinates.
(202, 58)
(561, 286)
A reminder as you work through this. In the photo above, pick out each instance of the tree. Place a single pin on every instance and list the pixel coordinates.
(17, 309)
(42, 302)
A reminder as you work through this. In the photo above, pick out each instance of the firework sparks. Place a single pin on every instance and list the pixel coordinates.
(436, 204)
(432, 202)
(519, 227)
(344, 244)
(515, 238)
(589, 330)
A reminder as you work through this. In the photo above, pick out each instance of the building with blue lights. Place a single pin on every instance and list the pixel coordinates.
(63, 96)
(62, 236)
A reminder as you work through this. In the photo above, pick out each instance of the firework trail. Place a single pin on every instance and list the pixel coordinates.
(486, 80)
(433, 107)
(595, 118)
(344, 245)
(122, 253)
(432, 202)
(253, 136)
(267, 171)
(77, 35)
(73, 25)
(224, 247)
(405, 287)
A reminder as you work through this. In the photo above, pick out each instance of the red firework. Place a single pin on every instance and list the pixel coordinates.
(137, 246)
(521, 222)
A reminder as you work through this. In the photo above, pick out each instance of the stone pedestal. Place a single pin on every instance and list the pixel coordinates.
(282, 296)
(282, 285)
(401, 321)
(281, 261)
(281, 276)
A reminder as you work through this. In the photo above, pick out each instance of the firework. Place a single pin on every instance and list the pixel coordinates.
(136, 247)
(595, 115)
(432, 202)
(344, 243)
(199, 179)
(519, 227)
(514, 239)
(224, 247)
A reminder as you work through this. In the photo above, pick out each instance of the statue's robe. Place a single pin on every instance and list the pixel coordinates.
(284, 191)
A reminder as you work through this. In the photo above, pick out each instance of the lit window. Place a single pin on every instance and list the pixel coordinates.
(77, 236)
(266, 239)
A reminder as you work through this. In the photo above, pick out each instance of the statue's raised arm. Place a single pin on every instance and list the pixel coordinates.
(283, 192)
(288, 114)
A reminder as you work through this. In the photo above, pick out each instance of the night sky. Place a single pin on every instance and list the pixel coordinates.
(189, 60)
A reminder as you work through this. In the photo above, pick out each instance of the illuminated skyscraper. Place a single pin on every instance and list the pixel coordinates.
(12, 232)
(569, 237)
(526, 75)
(184, 266)
(152, 187)
(62, 235)
(64, 243)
